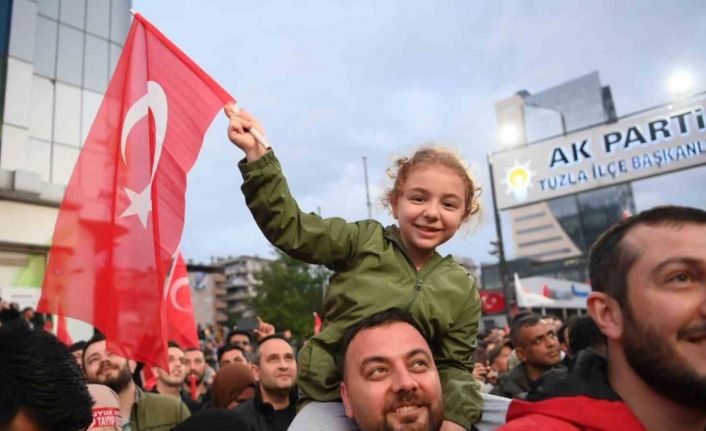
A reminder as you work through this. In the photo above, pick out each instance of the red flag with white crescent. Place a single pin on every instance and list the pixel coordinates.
(121, 219)
(492, 302)
(181, 322)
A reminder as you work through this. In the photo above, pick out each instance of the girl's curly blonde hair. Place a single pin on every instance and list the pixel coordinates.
(433, 155)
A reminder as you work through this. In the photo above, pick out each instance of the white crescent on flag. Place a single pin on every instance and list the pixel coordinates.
(156, 101)
(174, 292)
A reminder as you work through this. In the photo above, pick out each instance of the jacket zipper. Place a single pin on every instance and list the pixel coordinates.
(419, 280)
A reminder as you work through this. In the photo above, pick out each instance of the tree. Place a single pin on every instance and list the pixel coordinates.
(290, 291)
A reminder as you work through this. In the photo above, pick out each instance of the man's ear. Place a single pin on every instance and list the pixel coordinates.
(132, 364)
(606, 312)
(346, 400)
(521, 354)
(255, 371)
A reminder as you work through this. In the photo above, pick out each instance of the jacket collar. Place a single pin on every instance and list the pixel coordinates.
(266, 408)
(392, 234)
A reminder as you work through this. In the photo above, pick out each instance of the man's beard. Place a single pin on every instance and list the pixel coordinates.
(119, 382)
(661, 366)
(434, 412)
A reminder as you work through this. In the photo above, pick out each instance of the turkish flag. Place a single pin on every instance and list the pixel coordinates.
(317, 323)
(492, 302)
(121, 219)
(62, 332)
(181, 324)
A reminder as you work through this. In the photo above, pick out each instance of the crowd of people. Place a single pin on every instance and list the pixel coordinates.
(399, 348)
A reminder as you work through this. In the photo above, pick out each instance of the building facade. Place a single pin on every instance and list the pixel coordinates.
(241, 284)
(552, 238)
(563, 227)
(56, 59)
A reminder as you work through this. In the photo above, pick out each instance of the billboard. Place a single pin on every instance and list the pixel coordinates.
(652, 142)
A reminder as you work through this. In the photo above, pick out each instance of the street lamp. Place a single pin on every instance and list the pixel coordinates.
(680, 82)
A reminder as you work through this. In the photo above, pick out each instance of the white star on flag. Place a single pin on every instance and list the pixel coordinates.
(140, 204)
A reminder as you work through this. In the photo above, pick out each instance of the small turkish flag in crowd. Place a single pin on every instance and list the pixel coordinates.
(492, 302)
(317, 323)
(181, 324)
(120, 223)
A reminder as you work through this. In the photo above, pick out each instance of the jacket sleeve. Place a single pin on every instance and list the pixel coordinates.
(331, 242)
(463, 403)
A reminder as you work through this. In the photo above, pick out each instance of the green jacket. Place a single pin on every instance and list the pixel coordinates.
(372, 274)
(155, 412)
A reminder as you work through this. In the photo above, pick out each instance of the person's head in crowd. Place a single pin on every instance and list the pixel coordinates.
(41, 387)
(287, 335)
(276, 369)
(553, 321)
(195, 364)
(106, 409)
(232, 385)
(10, 314)
(170, 381)
(497, 335)
(76, 350)
(480, 355)
(585, 334)
(498, 357)
(231, 353)
(28, 313)
(243, 339)
(535, 344)
(562, 334)
(104, 367)
(648, 275)
(390, 380)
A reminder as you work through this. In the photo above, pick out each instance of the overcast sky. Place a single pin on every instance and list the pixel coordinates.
(333, 81)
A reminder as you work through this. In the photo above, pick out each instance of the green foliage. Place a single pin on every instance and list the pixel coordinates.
(289, 293)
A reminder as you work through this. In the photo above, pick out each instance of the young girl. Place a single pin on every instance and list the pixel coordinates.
(377, 267)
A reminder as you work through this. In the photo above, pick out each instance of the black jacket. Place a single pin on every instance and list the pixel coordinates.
(516, 383)
(257, 415)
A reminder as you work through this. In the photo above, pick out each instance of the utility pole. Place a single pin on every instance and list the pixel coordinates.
(498, 243)
(367, 189)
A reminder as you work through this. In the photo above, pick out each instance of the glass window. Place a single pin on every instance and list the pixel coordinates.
(24, 16)
(62, 163)
(70, 58)
(566, 213)
(41, 115)
(91, 103)
(95, 67)
(115, 51)
(602, 208)
(19, 85)
(98, 17)
(119, 20)
(73, 12)
(45, 47)
(5, 11)
(49, 8)
(67, 115)
(14, 143)
(39, 157)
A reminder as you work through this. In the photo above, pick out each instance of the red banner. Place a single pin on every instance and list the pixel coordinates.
(121, 220)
